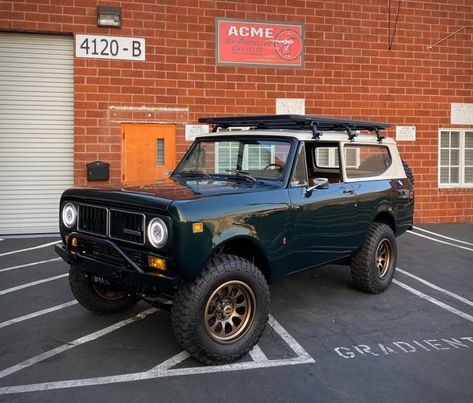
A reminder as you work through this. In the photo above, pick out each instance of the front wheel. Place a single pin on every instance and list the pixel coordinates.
(99, 295)
(373, 267)
(221, 315)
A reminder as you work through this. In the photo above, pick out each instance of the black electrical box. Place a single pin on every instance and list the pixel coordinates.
(98, 171)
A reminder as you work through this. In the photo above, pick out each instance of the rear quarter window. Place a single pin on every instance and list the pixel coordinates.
(366, 160)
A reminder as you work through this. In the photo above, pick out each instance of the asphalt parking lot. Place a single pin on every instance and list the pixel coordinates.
(326, 341)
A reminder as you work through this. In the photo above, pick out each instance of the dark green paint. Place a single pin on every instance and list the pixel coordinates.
(292, 229)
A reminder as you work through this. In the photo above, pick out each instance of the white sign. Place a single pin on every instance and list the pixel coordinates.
(110, 47)
(462, 114)
(290, 106)
(405, 133)
(192, 131)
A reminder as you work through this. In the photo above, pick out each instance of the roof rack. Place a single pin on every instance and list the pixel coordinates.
(316, 124)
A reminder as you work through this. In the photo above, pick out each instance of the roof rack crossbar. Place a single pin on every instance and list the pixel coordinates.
(316, 124)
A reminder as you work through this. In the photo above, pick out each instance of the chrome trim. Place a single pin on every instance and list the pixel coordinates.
(160, 245)
(76, 218)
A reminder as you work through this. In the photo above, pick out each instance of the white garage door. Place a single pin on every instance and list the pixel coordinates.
(36, 130)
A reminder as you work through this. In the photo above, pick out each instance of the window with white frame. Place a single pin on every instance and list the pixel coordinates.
(327, 157)
(255, 156)
(372, 160)
(455, 158)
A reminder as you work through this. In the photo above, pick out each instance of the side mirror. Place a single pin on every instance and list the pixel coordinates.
(319, 183)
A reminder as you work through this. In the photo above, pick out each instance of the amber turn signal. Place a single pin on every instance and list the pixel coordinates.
(197, 227)
(74, 242)
(156, 263)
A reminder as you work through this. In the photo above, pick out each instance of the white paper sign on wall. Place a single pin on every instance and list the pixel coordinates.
(405, 133)
(290, 106)
(192, 131)
(462, 114)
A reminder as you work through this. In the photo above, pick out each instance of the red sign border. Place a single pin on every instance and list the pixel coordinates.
(244, 64)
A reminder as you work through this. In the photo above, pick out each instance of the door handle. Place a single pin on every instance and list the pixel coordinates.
(349, 191)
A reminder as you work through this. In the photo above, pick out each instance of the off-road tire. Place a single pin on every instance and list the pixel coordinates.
(191, 302)
(408, 171)
(366, 264)
(85, 292)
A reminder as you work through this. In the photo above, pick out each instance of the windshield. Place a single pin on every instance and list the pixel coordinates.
(245, 159)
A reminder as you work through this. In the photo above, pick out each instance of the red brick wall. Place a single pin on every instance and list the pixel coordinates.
(348, 72)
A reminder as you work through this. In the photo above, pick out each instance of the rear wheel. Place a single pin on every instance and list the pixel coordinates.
(221, 315)
(99, 295)
(373, 267)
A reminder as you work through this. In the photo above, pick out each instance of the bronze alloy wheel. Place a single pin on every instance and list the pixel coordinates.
(230, 312)
(221, 315)
(384, 258)
(99, 295)
(102, 288)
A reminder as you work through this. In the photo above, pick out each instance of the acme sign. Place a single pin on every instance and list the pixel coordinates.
(245, 42)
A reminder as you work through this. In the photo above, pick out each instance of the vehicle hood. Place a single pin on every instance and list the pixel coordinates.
(161, 195)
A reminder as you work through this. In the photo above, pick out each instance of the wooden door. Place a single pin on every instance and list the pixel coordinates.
(149, 150)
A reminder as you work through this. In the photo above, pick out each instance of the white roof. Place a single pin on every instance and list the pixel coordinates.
(303, 135)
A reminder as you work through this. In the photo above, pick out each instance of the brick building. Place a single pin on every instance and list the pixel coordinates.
(363, 59)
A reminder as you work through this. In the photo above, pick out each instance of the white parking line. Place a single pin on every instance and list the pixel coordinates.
(434, 301)
(30, 264)
(257, 354)
(27, 249)
(171, 362)
(436, 287)
(20, 287)
(439, 241)
(75, 343)
(443, 236)
(155, 374)
(37, 313)
(291, 341)
(165, 368)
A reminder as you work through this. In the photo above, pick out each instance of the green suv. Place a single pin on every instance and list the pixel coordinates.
(257, 199)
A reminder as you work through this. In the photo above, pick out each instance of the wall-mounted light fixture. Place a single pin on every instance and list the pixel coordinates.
(109, 16)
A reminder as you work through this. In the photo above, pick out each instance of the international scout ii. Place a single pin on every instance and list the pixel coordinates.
(257, 199)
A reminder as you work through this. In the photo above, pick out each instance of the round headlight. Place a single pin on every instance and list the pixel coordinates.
(157, 232)
(69, 215)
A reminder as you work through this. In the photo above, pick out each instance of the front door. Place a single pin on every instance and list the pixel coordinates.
(324, 225)
(149, 151)
(324, 220)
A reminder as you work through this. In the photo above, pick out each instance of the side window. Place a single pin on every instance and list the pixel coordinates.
(299, 177)
(366, 160)
(325, 162)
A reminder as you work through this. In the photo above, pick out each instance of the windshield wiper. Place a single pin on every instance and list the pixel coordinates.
(242, 174)
(193, 172)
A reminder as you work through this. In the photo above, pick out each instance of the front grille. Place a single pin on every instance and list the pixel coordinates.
(127, 226)
(92, 220)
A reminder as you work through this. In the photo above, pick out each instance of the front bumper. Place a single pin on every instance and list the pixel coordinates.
(126, 272)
